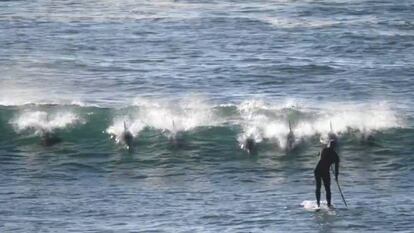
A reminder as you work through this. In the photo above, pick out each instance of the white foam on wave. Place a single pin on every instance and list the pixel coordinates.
(364, 117)
(175, 116)
(260, 120)
(40, 121)
(250, 129)
(170, 117)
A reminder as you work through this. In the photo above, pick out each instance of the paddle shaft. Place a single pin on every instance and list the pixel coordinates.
(340, 190)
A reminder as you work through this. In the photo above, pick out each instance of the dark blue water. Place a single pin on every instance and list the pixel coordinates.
(191, 81)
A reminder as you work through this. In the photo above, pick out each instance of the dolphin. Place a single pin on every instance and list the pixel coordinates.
(127, 138)
(49, 138)
(176, 136)
(249, 145)
(290, 138)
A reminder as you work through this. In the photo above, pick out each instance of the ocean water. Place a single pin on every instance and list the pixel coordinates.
(192, 81)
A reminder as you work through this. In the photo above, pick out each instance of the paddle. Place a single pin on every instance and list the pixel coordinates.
(340, 190)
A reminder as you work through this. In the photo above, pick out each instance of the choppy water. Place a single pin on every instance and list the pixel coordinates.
(192, 80)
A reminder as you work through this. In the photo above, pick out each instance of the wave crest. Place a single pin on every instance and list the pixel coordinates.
(41, 121)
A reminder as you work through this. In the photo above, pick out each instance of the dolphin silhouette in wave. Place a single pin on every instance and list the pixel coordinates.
(290, 142)
(49, 138)
(127, 138)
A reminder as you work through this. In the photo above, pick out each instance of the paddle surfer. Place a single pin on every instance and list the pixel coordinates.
(328, 156)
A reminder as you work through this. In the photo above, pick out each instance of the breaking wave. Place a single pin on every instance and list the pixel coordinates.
(262, 121)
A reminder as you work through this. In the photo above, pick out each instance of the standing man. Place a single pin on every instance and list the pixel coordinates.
(328, 157)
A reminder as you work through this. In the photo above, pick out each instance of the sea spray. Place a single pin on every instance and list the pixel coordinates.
(173, 117)
(264, 122)
(169, 118)
(39, 122)
(260, 120)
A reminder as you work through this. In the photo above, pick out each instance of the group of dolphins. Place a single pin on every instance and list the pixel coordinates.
(126, 138)
(250, 144)
(49, 138)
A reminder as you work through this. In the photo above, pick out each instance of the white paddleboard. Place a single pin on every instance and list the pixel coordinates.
(313, 207)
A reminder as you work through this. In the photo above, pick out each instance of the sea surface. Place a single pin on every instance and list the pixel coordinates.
(192, 82)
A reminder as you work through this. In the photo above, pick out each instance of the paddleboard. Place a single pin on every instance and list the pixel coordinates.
(311, 206)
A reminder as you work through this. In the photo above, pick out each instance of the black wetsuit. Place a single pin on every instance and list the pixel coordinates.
(328, 157)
